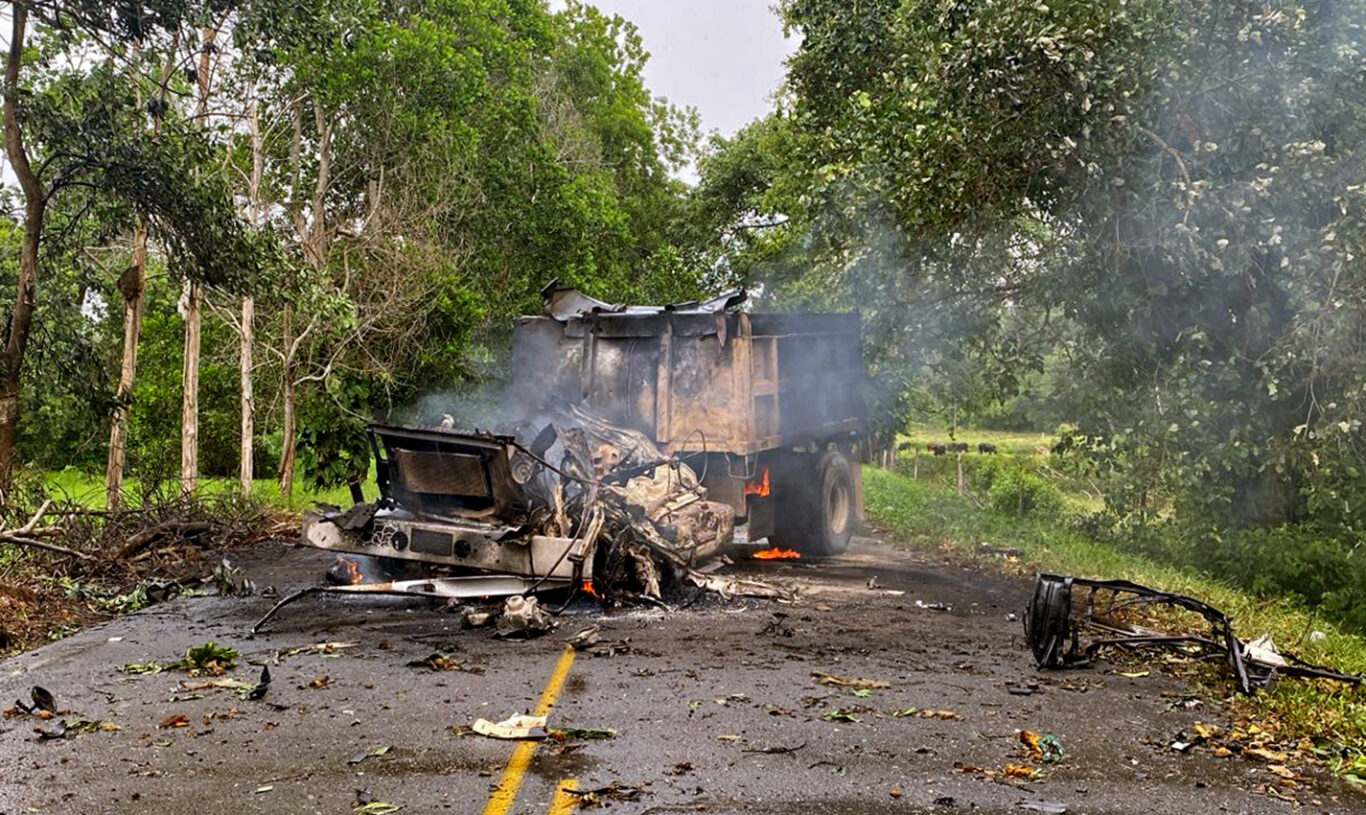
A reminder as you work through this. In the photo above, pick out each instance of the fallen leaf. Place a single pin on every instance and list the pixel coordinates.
(318, 683)
(175, 720)
(1133, 674)
(1267, 755)
(835, 680)
(1014, 770)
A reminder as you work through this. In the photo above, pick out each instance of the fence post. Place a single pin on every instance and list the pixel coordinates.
(962, 486)
(915, 465)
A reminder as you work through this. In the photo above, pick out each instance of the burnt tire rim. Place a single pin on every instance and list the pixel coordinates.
(838, 505)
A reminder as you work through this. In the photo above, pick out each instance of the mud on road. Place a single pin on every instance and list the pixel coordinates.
(715, 706)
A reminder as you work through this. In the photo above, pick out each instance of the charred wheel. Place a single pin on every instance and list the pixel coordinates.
(818, 513)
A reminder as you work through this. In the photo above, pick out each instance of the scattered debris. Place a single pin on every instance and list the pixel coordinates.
(775, 751)
(930, 713)
(835, 680)
(1043, 747)
(317, 683)
(231, 580)
(43, 699)
(584, 639)
(523, 617)
(258, 691)
(1055, 621)
(932, 606)
(174, 720)
(515, 728)
(777, 626)
(840, 715)
(438, 661)
(377, 808)
(378, 752)
(582, 733)
(600, 796)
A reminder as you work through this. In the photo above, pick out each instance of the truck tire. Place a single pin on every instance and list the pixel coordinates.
(819, 512)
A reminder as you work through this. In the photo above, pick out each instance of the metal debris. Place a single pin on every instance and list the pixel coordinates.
(514, 728)
(523, 618)
(1111, 610)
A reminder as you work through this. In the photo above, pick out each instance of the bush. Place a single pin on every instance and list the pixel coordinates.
(1011, 487)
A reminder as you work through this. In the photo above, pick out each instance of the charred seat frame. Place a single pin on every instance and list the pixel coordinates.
(1054, 624)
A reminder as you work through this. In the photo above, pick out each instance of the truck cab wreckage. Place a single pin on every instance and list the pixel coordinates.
(642, 436)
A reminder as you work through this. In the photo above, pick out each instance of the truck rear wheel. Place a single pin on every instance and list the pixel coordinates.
(817, 516)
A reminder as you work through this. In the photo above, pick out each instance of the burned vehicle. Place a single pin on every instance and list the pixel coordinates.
(640, 438)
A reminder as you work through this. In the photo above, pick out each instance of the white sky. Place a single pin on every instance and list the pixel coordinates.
(723, 57)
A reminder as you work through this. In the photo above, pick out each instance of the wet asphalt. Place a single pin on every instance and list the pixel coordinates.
(715, 707)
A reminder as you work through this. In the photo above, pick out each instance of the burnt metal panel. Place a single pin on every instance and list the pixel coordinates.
(430, 542)
(432, 471)
(725, 382)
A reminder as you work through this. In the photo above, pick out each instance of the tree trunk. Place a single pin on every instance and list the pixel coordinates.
(35, 207)
(189, 405)
(246, 458)
(130, 285)
(244, 471)
(287, 448)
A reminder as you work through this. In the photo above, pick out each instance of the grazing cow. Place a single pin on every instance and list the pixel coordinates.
(904, 446)
(937, 448)
(958, 447)
(986, 447)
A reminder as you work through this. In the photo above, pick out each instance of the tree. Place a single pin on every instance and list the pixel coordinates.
(1177, 180)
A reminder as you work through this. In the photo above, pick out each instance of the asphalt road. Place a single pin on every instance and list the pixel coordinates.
(715, 706)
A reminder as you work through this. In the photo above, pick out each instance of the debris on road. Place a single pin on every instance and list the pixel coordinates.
(1055, 621)
(582, 733)
(615, 791)
(930, 713)
(438, 661)
(522, 618)
(835, 680)
(258, 691)
(1043, 747)
(378, 752)
(514, 728)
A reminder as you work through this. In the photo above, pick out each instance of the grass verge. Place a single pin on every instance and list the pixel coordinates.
(1333, 718)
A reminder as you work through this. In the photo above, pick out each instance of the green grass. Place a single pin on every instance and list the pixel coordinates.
(930, 514)
(1005, 441)
(88, 489)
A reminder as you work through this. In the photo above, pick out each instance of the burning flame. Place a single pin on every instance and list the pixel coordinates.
(776, 554)
(758, 487)
(352, 571)
(588, 589)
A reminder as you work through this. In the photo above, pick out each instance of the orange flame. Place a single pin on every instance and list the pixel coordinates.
(776, 554)
(588, 589)
(759, 487)
(353, 575)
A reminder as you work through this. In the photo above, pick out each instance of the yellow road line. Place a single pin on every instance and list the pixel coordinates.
(505, 794)
(563, 802)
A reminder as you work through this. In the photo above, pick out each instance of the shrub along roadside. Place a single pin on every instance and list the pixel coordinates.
(924, 514)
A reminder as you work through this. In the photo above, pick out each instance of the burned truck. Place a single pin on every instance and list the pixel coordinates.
(637, 439)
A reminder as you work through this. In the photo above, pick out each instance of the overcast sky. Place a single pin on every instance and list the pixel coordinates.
(723, 57)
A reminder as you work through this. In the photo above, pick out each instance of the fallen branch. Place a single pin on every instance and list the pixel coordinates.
(26, 535)
(137, 542)
(8, 537)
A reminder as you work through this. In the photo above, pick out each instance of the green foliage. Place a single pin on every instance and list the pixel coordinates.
(1008, 486)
